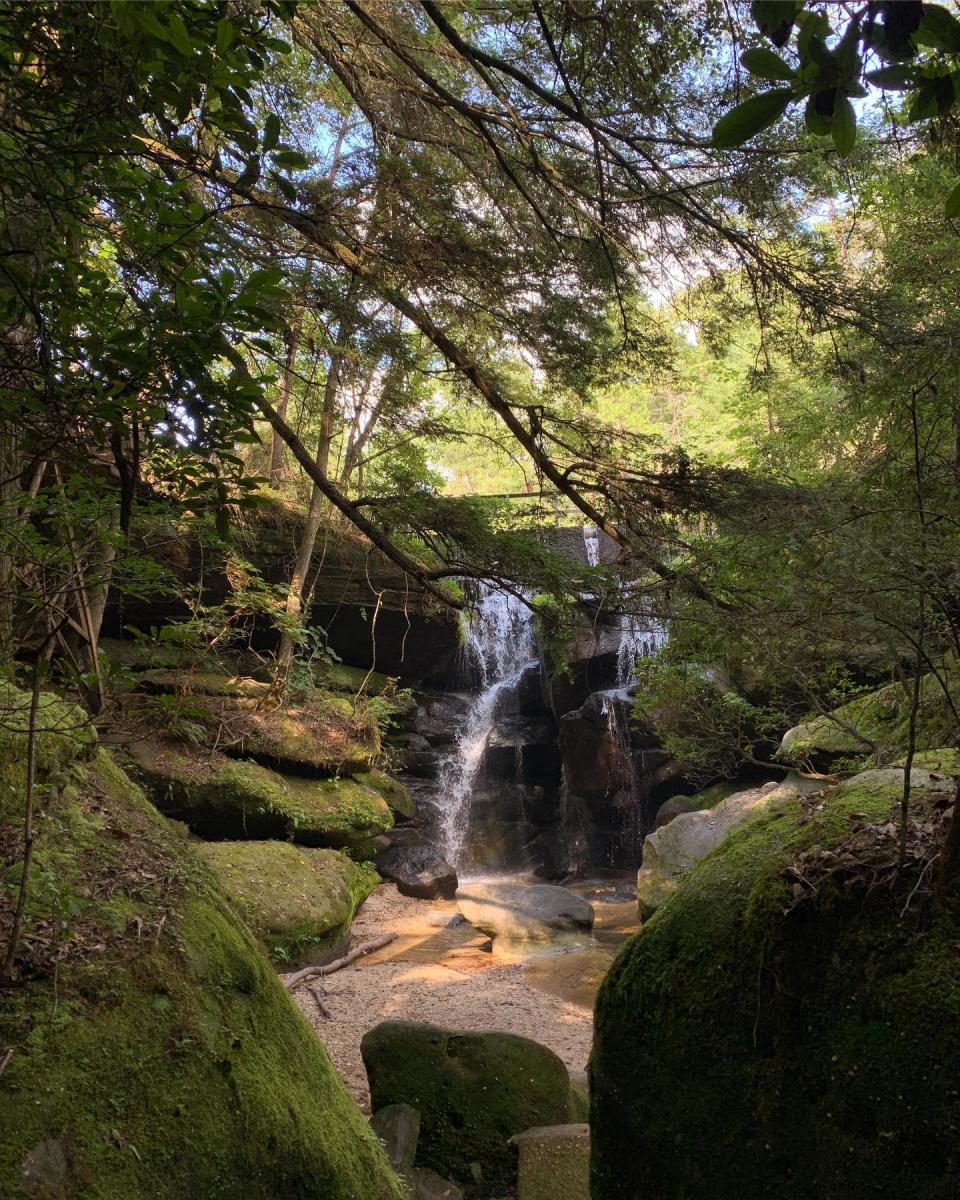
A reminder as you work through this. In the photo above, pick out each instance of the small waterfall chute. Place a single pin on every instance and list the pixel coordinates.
(591, 544)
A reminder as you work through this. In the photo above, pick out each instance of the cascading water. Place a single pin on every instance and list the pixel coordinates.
(640, 637)
(499, 647)
(591, 543)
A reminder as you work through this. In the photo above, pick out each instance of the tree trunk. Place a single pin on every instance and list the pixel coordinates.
(16, 930)
(277, 465)
(10, 467)
(294, 607)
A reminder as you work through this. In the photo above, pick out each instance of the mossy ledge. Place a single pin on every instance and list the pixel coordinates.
(164, 1058)
(743, 1050)
(218, 796)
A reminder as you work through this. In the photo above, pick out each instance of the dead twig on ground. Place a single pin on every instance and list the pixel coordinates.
(339, 963)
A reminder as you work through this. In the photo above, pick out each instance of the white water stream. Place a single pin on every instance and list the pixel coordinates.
(499, 647)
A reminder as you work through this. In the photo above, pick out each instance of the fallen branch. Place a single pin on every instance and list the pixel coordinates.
(5, 1060)
(321, 1006)
(339, 963)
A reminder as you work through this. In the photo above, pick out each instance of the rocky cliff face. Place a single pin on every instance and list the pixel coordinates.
(562, 780)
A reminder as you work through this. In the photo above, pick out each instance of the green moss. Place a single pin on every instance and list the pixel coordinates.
(143, 655)
(164, 1059)
(64, 736)
(319, 734)
(879, 719)
(220, 796)
(300, 903)
(742, 1050)
(341, 678)
(945, 761)
(207, 682)
(397, 795)
(338, 812)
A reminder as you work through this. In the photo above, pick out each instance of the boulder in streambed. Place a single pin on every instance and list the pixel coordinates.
(473, 1091)
(519, 915)
(299, 902)
(418, 871)
(554, 1163)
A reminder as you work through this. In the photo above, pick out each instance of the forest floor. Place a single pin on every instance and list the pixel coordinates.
(438, 972)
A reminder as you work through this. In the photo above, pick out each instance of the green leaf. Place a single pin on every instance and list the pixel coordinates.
(250, 173)
(225, 34)
(952, 208)
(291, 159)
(814, 31)
(843, 127)
(765, 64)
(896, 78)
(271, 131)
(264, 277)
(180, 37)
(817, 121)
(749, 118)
(286, 187)
(775, 18)
(933, 98)
(939, 28)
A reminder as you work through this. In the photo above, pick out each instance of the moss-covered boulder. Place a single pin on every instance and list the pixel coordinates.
(153, 1050)
(207, 681)
(299, 902)
(218, 796)
(339, 677)
(398, 796)
(785, 1025)
(63, 737)
(875, 725)
(473, 1092)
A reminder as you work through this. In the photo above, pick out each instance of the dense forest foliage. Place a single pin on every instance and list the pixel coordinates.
(445, 274)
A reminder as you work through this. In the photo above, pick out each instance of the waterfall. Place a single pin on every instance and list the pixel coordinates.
(591, 543)
(499, 647)
(640, 637)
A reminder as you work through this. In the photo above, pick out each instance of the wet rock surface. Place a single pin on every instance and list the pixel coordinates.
(519, 915)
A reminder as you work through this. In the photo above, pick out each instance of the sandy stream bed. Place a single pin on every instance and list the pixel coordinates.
(436, 973)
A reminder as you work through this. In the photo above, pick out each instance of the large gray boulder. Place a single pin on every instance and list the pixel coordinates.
(671, 851)
(522, 916)
(473, 1092)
